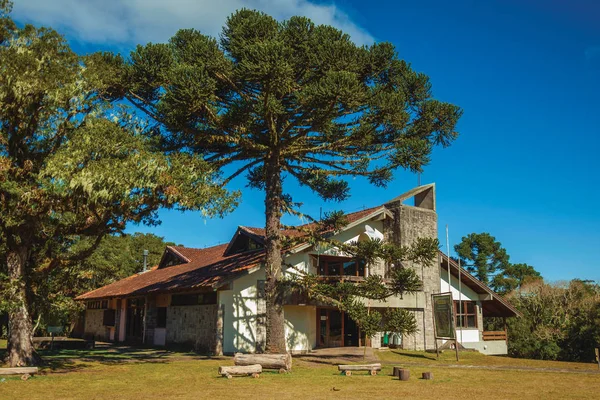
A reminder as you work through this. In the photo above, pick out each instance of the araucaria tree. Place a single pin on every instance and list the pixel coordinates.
(485, 257)
(72, 165)
(288, 99)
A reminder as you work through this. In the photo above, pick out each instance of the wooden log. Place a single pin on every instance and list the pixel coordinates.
(396, 371)
(240, 370)
(427, 375)
(364, 367)
(267, 361)
(19, 371)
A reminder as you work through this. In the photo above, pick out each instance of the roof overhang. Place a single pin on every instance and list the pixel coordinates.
(493, 304)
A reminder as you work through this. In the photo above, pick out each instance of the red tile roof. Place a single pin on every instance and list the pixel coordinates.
(208, 267)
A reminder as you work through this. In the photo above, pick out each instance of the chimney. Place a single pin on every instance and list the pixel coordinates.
(145, 253)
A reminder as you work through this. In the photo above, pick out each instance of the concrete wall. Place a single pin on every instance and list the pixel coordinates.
(489, 347)
(410, 223)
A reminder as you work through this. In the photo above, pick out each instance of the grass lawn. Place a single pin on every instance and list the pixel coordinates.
(147, 374)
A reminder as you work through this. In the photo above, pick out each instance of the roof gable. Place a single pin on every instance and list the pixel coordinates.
(244, 240)
(497, 306)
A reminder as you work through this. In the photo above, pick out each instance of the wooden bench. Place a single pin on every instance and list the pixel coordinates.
(347, 369)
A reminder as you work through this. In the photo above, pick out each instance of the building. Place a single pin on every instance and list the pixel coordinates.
(212, 299)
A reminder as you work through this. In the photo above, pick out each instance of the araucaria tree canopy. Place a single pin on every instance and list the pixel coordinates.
(73, 165)
(286, 99)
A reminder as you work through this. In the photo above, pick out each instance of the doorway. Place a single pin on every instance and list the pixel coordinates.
(134, 327)
(336, 329)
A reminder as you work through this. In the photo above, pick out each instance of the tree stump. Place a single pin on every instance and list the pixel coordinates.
(403, 374)
(348, 373)
(427, 375)
(25, 377)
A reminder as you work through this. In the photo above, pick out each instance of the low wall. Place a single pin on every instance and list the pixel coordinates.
(488, 347)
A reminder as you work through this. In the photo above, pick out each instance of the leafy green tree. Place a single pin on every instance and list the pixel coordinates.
(482, 255)
(289, 99)
(116, 257)
(559, 321)
(73, 165)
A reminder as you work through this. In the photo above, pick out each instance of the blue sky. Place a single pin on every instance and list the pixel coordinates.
(527, 74)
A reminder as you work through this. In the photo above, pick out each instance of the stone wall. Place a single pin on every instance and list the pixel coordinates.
(150, 317)
(94, 325)
(194, 326)
(410, 223)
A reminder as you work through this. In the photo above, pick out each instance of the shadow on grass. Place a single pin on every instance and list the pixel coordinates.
(424, 356)
(71, 360)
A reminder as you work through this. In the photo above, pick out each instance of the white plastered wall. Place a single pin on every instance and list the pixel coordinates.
(463, 335)
(240, 313)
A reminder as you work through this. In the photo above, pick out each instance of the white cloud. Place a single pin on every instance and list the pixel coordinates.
(127, 22)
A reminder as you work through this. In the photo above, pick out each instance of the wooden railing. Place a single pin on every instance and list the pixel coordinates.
(494, 335)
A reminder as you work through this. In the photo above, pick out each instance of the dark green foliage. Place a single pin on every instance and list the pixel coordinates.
(400, 320)
(514, 276)
(484, 256)
(559, 322)
(116, 257)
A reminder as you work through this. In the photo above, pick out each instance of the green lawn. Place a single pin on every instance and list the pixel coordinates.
(147, 374)
(476, 358)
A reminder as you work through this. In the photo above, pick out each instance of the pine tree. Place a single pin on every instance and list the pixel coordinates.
(290, 99)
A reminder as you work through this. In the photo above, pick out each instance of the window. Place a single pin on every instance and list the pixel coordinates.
(244, 243)
(340, 266)
(97, 305)
(466, 316)
(161, 317)
(108, 319)
(194, 299)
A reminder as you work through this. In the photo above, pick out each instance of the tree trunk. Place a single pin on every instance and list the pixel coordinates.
(274, 300)
(267, 361)
(20, 351)
(240, 370)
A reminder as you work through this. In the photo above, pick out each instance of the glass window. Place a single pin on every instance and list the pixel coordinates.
(466, 314)
(350, 268)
